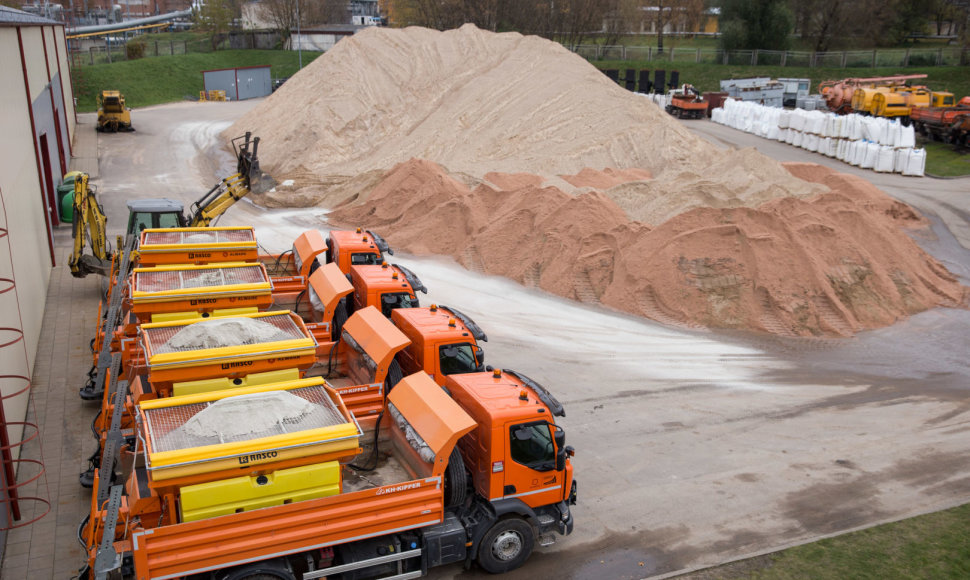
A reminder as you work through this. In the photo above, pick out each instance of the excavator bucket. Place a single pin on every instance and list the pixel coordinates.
(247, 163)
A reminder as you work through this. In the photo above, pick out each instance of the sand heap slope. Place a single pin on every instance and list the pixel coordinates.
(827, 265)
(478, 102)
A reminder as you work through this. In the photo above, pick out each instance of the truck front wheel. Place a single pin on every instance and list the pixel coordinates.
(506, 545)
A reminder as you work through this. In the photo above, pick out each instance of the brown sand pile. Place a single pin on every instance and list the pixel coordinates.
(479, 103)
(831, 264)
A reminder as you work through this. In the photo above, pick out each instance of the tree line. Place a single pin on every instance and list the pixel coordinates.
(823, 25)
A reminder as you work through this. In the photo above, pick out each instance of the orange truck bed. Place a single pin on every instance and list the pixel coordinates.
(187, 548)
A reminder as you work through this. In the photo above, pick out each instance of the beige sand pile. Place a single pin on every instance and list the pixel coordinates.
(478, 103)
(519, 158)
(828, 265)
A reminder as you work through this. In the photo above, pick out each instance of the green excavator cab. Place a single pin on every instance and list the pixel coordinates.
(154, 213)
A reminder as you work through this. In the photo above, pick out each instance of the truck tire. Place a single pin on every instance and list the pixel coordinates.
(394, 375)
(272, 570)
(506, 545)
(339, 319)
(456, 480)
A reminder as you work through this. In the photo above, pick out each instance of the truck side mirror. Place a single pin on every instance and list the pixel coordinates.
(479, 357)
(564, 452)
(560, 436)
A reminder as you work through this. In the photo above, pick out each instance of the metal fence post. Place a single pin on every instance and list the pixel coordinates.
(873, 59)
(939, 57)
(844, 58)
(754, 57)
(698, 57)
(906, 58)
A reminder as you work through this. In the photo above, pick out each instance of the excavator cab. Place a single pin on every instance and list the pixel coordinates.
(154, 213)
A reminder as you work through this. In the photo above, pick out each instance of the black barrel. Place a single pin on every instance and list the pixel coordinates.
(630, 77)
(659, 80)
(674, 79)
(613, 73)
(645, 83)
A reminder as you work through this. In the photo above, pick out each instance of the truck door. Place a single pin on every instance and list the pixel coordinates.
(530, 466)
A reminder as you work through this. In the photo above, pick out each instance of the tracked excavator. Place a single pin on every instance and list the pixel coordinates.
(90, 221)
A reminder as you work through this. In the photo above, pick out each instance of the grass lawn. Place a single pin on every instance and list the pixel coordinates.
(944, 160)
(932, 546)
(164, 79)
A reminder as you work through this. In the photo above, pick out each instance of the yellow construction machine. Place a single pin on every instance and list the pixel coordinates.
(90, 221)
(113, 115)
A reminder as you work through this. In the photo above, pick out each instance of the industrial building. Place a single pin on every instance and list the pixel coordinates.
(38, 124)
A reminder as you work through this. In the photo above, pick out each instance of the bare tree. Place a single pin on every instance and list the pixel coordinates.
(662, 13)
(282, 13)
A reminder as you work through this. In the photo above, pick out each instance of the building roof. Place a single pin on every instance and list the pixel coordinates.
(13, 17)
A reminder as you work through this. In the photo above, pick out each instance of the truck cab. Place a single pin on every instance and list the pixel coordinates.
(385, 287)
(443, 342)
(355, 248)
(517, 455)
(942, 99)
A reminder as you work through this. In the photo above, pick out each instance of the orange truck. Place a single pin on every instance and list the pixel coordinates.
(443, 342)
(385, 287)
(180, 273)
(356, 248)
(949, 124)
(479, 473)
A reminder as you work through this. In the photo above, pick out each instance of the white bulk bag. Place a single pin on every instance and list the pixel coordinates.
(884, 160)
(916, 163)
(907, 137)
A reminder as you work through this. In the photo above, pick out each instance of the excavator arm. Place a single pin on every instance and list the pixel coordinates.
(89, 223)
(220, 198)
(231, 189)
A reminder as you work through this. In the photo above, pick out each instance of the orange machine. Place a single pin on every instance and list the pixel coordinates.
(414, 511)
(443, 342)
(686, 103)
(385, 287)
(356, 248)
(950, 124)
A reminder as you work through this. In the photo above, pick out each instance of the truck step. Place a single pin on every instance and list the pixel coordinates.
(546, 540)
(546, 519)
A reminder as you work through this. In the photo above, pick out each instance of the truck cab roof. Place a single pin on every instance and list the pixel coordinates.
(439, 323)
(386, 277)
(505, 395)
(159, 205)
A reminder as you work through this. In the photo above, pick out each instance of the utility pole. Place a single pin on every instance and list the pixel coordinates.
(299, 46)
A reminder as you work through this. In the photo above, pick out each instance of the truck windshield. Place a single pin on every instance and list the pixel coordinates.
(367, 259)
(532, 446)
(458, 358)
(390, 301)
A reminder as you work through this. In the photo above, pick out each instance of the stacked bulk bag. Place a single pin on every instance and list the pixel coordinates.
(873, 143)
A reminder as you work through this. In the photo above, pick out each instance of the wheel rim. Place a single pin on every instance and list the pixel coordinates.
(507, 546)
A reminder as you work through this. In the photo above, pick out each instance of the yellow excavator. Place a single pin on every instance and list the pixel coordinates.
(89, 223)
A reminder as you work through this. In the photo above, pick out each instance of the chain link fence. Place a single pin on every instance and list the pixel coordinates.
(902, 57)
(135, 48)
